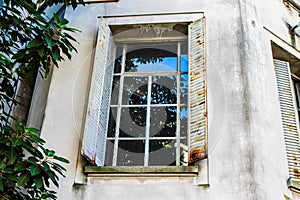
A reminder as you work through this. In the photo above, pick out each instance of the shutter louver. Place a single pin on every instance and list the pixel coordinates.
(105, 103)
(197, 92)
(288, 116)
(94, 139)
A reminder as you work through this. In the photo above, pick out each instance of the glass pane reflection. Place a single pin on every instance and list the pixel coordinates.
(112, 122)
(131, 153)
(184, 88)
(118, 60)
(162, 152)
(184, 58)
(163, 121)
(133, 122)
(109, 152)
(150, 60)
(135, 91)
(184, 153)
(184, 63)
(115, 90)
(164, 90)
(183, 121)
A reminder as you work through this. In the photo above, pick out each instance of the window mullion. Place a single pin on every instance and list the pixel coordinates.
(146, 158)
(116, 144)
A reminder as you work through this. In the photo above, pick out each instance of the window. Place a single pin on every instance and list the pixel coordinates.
(148, 112)
(147, 100)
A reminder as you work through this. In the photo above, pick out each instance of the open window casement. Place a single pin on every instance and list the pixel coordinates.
(197, 92)
(288, 116)
(96, 123)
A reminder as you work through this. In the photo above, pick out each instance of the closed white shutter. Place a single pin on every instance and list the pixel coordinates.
(197, 92)
(288, 115)
(96, 122)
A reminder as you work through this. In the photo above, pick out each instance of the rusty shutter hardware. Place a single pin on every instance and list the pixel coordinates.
(288, 116)
(197, 92)
(96, 122)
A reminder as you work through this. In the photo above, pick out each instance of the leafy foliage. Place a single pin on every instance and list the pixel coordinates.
(30, 42)
(32, 173)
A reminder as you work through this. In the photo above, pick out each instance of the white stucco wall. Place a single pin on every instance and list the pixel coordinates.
(246, 150)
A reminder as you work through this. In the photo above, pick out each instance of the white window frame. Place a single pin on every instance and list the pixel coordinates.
(202, 178)
(179, 105)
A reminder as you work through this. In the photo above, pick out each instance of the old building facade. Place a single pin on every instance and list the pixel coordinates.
(227, 73)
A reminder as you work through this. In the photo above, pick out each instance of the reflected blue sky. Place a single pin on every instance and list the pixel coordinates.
(168, 64)
(183, 63)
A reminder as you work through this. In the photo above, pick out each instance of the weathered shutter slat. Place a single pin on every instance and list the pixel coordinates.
(105, 103)
(93, 145)
(288, 115)
(197, 92)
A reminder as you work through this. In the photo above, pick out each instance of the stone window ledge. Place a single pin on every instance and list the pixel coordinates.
(142, 171)
(199, 172)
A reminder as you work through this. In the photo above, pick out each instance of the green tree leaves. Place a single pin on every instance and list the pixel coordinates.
(34, 43)
(12, 155)
(30, 42)
(33, 173)
(38, 181)
(34, 170)
(23, 179)
(49, 41)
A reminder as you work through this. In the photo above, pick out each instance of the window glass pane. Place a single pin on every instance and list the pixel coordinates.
(183, 121)
(133, 122)
(118, 60)
(112, 122)
(184, 63)
(297, 91)
(151, 59)
(163, 121)
(297, 95)
(184, 88)
(184, 58)
(115, 90)
(164, 90)
(131, 153)
(135, 90)
(109, 152)
(184, 156)
(162, 152)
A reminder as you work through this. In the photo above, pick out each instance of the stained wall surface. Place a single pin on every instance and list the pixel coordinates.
(247, 158)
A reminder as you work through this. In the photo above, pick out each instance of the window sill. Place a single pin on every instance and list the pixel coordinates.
(199, 172)
(142, 171)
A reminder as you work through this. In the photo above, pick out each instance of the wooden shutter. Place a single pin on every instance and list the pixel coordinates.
(96, 122)
(288, 116)
(197, 92)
